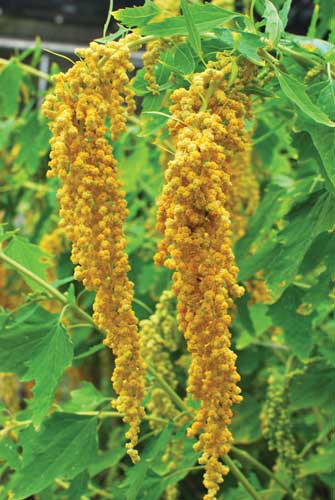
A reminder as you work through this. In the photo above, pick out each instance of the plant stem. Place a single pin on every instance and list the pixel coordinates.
(28, 69)
(196, 468)
(52, 291)
(141, 41)
(109, 16)
(49, 288)
(171, 393)
(244, 455)
(241, 478)
(116, 414)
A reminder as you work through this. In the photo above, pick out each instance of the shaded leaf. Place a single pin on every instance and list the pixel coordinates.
(274, 26)
(65, 446)
(137, 16)
(193, 33)
(30, 256)
(205, 17)
(296, 93)
(10, 80)
(46, 364)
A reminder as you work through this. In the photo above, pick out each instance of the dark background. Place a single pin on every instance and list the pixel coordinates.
(79, 21)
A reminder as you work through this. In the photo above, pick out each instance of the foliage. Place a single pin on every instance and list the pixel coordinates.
(65, 441)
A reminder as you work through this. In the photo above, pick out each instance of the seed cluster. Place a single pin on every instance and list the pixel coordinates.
(208, 130)
(93, 206)
(160, 338)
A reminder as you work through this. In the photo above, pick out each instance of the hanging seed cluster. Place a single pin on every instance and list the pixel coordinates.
(93, 206)
(208, 130)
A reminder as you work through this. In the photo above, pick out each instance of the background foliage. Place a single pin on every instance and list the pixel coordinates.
(59, 437)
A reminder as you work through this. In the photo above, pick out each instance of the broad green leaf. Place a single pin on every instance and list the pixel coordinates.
(65, 446)
(137, 16)
(33, 140)
(284, 11)
(9, 453)
(296, 92)
(297, 328)
(274, 26)
(193, 33)
(21, 335)
(30, 256)
(78, 486)
(10, 80)
(47, 362)
(85, 398)
(306, 223)
(321, 462)
(305, 389)
(36, 347)
(205, 18)
(184, 59)
(246, 422)
(153, 451)
(110, 459)
(324, 141)
(247, 45)
(6, 129)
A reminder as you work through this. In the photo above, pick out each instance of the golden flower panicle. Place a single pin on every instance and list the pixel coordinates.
(160, 337)
(93, 206)
(208, 130)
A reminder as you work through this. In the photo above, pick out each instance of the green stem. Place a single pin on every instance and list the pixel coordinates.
(116, 414)
(141, 41)
(300, 58)
(52, 291)
(28, 69)
(243, 455)
(241, 478)
(109, 16)
(49, 288)
(196, 468)
(171, 393)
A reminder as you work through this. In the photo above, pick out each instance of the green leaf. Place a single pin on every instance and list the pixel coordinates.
(193, 33)
(296, 92)
(10, 80)
(247, 45)
(297, 328)
(324, 141)
(305, 389)
(137, 16)
(35, 346)
(20, 335)
(153, 451)
(274, 26)
(183, 59)
(246, 422)
(305, 224)
(64, 447)
(284, 11)
(47, 362)
(205, 18)
(86, 398)
(9, 453)
(33, 139)
(78, 486)
(30, 256)
(320, 463)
